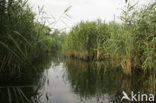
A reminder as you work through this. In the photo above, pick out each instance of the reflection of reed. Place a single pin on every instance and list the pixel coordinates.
(126, 84)
(150, 84)
(96, 79)
(13, 86)
(143, 83)
(90, 79)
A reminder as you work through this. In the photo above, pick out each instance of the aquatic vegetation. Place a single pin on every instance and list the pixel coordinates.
(132, 43)
(85, 40)
(22, 38)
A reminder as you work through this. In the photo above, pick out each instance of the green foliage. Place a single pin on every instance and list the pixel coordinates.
(132, 43)
(22, 38)
(83, 39)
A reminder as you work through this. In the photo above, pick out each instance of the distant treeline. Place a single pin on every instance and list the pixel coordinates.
(22, 38)
(131, 44)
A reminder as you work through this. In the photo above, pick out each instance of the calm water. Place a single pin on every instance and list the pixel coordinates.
(71, 81)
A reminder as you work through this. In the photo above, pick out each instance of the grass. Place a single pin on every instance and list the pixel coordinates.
(132, 43)
(23, 38)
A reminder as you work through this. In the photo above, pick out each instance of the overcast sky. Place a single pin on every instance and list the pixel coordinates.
(81, 10)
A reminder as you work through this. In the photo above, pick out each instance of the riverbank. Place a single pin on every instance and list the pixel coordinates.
(132, 43)
(23, 38)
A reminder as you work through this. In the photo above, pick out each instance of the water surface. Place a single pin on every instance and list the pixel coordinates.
(57, 80)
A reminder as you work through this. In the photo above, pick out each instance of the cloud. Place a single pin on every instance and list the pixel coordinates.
(83, 9)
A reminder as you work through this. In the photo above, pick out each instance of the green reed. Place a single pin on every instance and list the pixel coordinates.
(132, 43)
(22, 38)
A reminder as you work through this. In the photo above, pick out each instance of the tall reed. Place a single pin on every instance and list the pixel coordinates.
(22, 38)
(132, 43)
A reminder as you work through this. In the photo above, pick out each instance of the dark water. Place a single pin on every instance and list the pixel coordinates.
(56, 80)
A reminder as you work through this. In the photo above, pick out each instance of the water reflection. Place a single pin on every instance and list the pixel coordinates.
(72, 81)
(96, 80)
(104, 82)
(30, 81)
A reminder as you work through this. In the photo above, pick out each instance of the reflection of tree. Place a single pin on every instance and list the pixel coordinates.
(98, 79)
(32, 77)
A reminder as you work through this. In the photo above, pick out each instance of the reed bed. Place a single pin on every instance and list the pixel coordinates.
(22, 37)
(132, 43)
